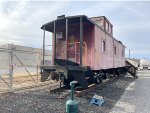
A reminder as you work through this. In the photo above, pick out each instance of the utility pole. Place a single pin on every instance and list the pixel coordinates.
(129, 53)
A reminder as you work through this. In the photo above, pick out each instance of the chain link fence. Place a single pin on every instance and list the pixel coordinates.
(19, 67)
(5, 69)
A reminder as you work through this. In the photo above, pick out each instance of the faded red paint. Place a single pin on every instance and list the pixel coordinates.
(108, 58)
(93, 55)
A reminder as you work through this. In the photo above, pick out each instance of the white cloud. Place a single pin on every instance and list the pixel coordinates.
(20, 21)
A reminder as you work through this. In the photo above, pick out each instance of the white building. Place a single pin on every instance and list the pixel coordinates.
(28, 56)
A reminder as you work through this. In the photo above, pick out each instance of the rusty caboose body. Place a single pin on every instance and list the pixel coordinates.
(84, 50)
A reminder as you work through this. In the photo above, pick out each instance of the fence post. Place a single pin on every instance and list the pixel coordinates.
(11, 69)
(37, 74)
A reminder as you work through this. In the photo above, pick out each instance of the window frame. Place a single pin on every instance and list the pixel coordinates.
(115, 50)
(107, 26)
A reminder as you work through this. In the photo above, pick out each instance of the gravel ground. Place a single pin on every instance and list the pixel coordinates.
(42, 101)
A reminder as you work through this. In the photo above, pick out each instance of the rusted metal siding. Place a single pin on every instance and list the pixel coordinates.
(88, 38)
(103, 59)
(73, 53)
(107, 59)
(119, 59)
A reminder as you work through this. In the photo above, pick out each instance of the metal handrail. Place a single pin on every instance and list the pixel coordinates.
(75, 53)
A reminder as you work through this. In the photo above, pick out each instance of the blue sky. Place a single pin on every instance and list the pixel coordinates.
(20, 21)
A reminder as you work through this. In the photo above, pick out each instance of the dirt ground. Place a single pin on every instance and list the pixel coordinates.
(21, 81)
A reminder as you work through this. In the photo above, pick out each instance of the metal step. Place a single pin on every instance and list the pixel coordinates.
(87, 78)
(91, 85)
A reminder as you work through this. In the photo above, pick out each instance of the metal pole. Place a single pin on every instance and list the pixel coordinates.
(37, 74)
(72, 92)
(81, 40)
(11, 68)
(66, 41)
(54, 42)
(43, 45)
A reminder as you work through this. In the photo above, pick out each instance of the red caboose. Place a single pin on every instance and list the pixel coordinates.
(84, 50)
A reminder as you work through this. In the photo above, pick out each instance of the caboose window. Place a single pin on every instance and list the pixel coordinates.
(115, 50)
(103, 46)
(111, 29)
(59, 35)
(107, 26)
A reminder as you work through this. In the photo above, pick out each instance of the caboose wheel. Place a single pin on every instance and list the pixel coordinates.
(98, 80)
(66, 83)
(136, 77)
(104, 76)
(52, 75)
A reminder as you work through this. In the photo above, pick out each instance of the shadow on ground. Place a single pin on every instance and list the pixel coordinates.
(111, 93)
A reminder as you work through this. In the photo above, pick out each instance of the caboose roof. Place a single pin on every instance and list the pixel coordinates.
(72, 20)
(62, 22)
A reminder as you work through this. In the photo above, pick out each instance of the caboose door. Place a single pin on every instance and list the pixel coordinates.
(71, 48)
(74, 51)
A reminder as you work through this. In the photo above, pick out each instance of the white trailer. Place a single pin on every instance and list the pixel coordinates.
(144, 64)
